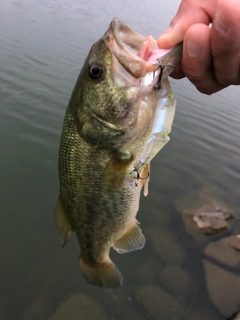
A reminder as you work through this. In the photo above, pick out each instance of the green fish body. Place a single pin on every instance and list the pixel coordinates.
(119, 116)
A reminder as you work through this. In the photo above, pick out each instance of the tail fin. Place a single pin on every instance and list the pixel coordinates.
(105, 275)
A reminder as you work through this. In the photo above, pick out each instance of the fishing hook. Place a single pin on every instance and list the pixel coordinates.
(139, 177)
(158, 85)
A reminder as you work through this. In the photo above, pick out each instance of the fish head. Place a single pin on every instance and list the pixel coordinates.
(114, 97)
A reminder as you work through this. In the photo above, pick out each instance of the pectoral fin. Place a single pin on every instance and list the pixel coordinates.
(132, 240)
(62, 223)
(116, 171)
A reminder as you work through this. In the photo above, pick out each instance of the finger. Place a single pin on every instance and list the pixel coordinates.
(189, 13)
(225, 42)
(177, 73)
(197, 59)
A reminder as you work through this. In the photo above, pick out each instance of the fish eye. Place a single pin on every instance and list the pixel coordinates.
(95, 70)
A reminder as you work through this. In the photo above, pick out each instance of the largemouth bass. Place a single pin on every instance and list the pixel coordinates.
(118, 118)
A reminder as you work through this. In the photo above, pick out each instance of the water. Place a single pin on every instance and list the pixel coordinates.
(43, 46)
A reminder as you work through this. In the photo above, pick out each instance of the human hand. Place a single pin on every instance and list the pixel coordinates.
(211, 55)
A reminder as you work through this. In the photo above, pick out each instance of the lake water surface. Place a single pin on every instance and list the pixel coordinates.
(43, 45)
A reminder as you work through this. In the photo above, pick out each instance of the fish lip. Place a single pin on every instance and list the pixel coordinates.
(121, 30)
(115, 27)
(125, 45)
(118, 29)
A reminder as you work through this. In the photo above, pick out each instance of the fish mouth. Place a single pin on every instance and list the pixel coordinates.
(138, 55)
(126, 39)
(127, 46)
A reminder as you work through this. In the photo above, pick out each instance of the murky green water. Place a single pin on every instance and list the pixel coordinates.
(42, 47)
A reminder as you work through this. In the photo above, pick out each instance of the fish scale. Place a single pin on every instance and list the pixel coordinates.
(90, 197)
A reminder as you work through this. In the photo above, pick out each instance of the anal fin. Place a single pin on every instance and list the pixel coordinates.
(62, 223)
(130, 241)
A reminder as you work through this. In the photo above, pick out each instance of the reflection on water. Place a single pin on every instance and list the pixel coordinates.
(173, 276)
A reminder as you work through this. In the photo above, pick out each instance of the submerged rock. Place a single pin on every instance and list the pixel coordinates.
(123, 308)
(223, 253)
(40, 308)
(79, 306)
(210, 218)
(223, 288)
(221, 266)
(177, 281)
(165, 245)
(159, 304)
(202, 314)
(203, 211)
(234, 241)
(148, 271)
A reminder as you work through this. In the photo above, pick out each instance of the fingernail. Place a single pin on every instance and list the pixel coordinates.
(219, 24)
(193, 50)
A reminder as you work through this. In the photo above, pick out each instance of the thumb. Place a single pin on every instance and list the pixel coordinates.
(189, 13)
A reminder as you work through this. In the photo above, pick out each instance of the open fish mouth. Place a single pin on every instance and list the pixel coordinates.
(128, 40)
(139, 55)
(130, 48)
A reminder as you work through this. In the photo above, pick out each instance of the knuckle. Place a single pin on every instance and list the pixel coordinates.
(225, 51)
(192, 74)
(221, 55)
(207, 85)
(208, 90)
(226, 80)
(226, 70)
